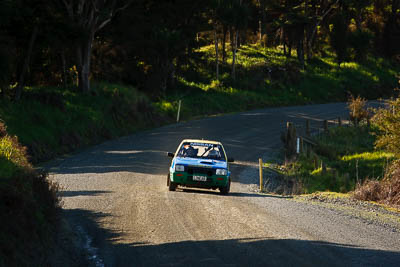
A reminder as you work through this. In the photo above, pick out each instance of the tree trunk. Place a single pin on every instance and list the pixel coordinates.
(284, 48)
(359, 19)
(78, 65)
(86, 60)
(83, 66)
(64, 68)
(164, 76)
(262, 22)
(25, 67)
(282, 39)
(314, 28)
(231, 37)
(300, 51)
(171, 75)
(234, 55)
(216, 54)
(225, 30)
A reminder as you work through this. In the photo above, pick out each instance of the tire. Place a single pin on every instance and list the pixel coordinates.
(225, 190)
(171, 185)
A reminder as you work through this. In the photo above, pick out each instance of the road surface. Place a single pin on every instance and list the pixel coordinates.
(115, 196)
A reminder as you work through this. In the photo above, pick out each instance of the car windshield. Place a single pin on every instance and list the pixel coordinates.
(201, 150)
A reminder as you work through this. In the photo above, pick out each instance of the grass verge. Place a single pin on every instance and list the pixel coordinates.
(343, 158)
(53, 121)
(28, 207)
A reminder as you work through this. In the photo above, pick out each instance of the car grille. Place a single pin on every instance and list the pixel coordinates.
(200, 170)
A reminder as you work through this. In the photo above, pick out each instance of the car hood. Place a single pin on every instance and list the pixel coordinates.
(201, 162)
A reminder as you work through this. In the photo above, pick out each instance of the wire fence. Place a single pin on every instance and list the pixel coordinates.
(298, 138)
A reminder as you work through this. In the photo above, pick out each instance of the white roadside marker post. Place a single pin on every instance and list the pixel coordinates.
(179, 110)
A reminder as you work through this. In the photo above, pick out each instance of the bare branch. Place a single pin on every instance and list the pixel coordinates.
(68, 6)
(113, 12)
(321, 19)
(81, 4)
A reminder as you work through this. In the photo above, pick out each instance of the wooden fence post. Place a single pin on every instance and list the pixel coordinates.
(290, 145)
(301, 145)
(340, 121)
(323, 167)
(308, 127)
(260, 163)
(325, 125)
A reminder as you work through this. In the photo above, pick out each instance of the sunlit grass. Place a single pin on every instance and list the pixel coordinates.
(268, 72)
(349, 157)
(368, 156)
(342, 159)
(69, 119)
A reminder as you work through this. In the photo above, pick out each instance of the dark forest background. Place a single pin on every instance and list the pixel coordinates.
(68, 43)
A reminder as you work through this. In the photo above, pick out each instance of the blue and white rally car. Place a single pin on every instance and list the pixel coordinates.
(201, 164)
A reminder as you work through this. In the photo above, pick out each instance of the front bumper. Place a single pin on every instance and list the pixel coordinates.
(186, 179)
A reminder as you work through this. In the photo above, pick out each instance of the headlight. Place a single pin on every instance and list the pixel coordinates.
(221, 172)
(179, 168)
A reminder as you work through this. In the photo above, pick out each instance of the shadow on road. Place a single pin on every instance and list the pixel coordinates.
(81, 193)
(231, 194)
(104, 250)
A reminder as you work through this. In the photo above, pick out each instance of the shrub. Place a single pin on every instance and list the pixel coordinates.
(386, 191)
(28, 206)
(388, 122)
(3, 131)
(370, 190)
(13, 151)
(358, 111)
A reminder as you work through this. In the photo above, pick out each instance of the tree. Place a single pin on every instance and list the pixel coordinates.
(219, 8)
(157, 44)
(391, 33)
(26, 21)
(239, 18)
(339, 37)
(317, 12)
(388, 122)
(5, 46)
(90, 16)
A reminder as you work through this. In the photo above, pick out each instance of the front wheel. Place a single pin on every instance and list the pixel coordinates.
(171, 185)
(225, 190)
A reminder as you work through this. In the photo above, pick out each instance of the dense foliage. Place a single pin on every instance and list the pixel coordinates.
(387, 190)
(148, 43)
(388, 122)
(28, 207)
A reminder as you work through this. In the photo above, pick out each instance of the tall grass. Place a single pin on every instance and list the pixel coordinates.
(28, 207)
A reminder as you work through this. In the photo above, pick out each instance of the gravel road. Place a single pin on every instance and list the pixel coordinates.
(115, 196)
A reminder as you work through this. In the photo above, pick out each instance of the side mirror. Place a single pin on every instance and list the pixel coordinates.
(231, 160)
(170, 154)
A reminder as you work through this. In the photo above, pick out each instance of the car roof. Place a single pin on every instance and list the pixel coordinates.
(200, 141)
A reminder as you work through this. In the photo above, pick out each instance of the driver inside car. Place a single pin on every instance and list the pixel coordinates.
(189, 151)
(213, 154)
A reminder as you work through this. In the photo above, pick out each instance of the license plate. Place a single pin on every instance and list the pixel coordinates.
(199, 178)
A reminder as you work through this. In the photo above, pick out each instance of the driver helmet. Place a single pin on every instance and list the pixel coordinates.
(190, 151)
(213, 154)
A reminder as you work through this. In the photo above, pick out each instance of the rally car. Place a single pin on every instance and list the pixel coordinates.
(201, 164)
